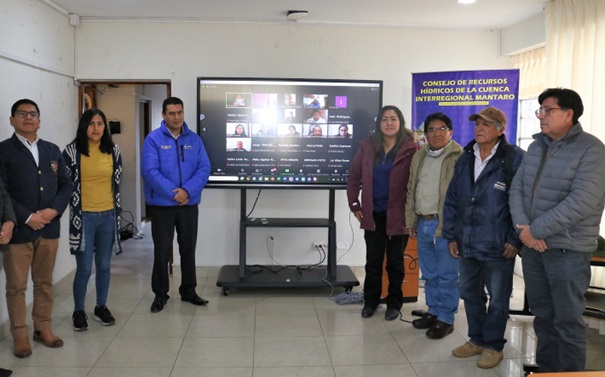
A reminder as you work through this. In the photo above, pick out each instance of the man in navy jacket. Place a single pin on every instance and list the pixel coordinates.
(175, 168)
(37, 181)
(478, 226)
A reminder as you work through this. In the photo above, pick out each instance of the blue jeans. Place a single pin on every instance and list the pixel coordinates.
(439, 270)
(555, 283)
(98, 232)
(486, 323)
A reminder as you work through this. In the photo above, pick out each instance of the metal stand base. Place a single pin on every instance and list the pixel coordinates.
(279, 277)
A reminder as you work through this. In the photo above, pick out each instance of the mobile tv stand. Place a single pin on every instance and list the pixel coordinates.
(242, 275)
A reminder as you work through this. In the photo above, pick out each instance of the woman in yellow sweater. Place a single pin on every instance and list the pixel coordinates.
(95, 166)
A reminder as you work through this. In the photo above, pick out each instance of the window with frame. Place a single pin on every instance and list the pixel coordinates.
(528, 124)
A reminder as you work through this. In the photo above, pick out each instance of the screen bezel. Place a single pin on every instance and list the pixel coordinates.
(292, 81)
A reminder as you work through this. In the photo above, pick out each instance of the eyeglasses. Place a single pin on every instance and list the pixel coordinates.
(24, 114)
(440, 129)
(546, 110)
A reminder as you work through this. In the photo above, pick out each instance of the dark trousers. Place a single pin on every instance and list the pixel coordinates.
(555, 283)
(377, 242)
(164, 220)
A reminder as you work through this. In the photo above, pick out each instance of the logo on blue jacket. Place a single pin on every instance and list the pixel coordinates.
(500, 186)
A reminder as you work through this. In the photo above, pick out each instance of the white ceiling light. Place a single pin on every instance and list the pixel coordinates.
(295, 15)
(466, 1)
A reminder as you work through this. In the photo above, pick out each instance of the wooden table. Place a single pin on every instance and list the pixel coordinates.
(573, 374)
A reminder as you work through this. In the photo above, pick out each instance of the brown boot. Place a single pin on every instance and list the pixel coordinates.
(47, 338)
(489, 358)
(22, 349)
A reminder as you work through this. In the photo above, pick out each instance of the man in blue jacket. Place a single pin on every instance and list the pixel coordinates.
(39, 186)
(478, 226)
(556, 201)
(175, 169)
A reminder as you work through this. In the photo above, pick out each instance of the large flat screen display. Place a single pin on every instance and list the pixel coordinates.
(284, 132)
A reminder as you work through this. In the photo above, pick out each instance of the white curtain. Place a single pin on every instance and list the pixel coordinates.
(532, 72)
(575, 52)
(575, 55)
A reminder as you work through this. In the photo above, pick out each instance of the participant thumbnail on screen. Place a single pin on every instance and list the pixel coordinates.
(289, 130)
(340, 131)
(238, 144)
(314, 116)
(315, 101)
(315, 130)
(264, 100)
(289, 115)
(340, 102)
(289, 99)
(263, 130)
(238, 129)
(264, 115)
(239, 100)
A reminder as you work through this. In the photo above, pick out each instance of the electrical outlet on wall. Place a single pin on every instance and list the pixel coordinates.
(342, 245)
(318, 244)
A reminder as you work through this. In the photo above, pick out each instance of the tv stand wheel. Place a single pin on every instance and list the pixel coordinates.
(348, 289)
(226, 291)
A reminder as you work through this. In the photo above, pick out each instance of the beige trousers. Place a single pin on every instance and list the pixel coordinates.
(40, 256)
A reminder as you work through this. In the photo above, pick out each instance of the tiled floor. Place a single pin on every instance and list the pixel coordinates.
(259, 333)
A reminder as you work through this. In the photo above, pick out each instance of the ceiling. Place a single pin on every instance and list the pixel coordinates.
(484, 14)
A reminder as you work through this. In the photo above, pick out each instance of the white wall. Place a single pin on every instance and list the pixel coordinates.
(156, 94)
(180, 52)
(525, 35)
(36, 62)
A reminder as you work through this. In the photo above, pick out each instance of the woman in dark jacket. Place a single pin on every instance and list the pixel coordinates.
(382, 167)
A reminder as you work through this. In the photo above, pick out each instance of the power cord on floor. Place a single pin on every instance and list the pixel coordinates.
(403, 320)
(415, 313)
(346, 298)
(128, 230)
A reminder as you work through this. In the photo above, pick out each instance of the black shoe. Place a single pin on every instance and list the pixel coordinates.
(158, 304)
(5, 372)
(80, 320)
(530, 369)
(103, 315)
(424, 322)
(367, 311)
(439, 330)
(418, 312)
(195, 300)
(391, 314)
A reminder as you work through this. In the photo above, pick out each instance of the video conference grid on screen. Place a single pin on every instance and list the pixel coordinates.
(276, 131)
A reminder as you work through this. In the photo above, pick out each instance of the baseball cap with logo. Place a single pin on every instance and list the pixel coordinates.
(490, 114)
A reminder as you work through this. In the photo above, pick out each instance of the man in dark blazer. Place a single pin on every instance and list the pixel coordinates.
(38, 183)
(7, 225)
(7, 218)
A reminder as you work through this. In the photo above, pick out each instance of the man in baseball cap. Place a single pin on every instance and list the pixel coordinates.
(478, 227)
(491, 115)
